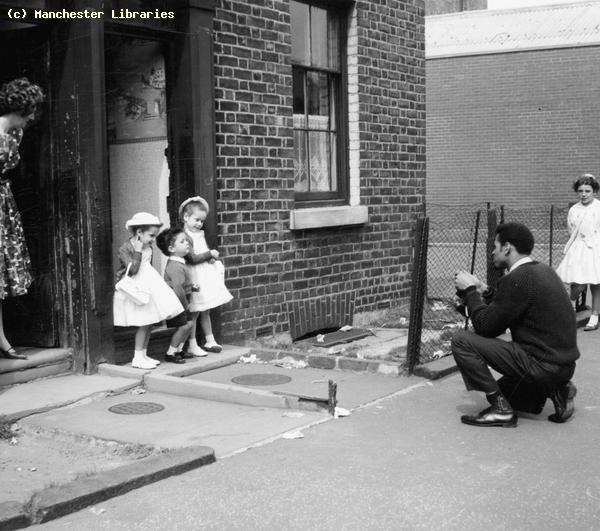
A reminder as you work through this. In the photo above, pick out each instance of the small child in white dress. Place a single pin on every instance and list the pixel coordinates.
(135, 256)
(208, 274)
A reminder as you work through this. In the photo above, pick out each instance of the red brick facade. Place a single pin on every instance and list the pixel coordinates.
(267, 265)
(512, 128)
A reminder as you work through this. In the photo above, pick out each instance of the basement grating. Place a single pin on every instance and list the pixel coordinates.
(261, 379)
(136, 408)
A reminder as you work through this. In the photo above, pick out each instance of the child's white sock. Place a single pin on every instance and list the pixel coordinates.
(193, 342)
(593, 320)
(210, 339)
(180, 347)
(172, 351)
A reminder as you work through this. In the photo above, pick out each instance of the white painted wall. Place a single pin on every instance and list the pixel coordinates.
(511, 4)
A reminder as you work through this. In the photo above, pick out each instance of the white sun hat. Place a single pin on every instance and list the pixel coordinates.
(143, 218)
(195, 199)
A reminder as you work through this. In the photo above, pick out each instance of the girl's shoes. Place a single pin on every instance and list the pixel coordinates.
(177, 358)
(11, 354)
(212, 347)
(590, 327)
(151, 360)
(139, 362)
(195, 350)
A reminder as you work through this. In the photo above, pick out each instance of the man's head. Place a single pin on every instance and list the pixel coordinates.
(513, 242)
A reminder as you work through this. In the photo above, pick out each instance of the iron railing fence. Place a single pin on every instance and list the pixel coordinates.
(461, 237)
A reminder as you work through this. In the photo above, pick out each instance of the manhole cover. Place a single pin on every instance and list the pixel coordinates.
(136, 408)
(261, 379)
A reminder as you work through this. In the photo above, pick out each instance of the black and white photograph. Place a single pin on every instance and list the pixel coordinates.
(299, 265)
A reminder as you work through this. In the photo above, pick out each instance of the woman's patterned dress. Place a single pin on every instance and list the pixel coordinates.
(15, 264)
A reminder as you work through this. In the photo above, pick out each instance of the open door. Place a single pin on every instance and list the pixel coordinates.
(31, 320)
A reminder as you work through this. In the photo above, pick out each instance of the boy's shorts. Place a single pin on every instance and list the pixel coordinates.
(179, 320)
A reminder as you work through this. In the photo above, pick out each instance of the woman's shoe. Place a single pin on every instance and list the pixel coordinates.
(11, 354)
(589, 327)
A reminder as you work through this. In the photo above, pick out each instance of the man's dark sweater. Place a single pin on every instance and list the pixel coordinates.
(532, 302)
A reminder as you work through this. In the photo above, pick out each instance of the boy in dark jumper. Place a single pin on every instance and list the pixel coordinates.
(539, 362)
(174, 244)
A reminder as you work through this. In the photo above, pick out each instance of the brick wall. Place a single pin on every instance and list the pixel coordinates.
(514, 128)
(267, 265)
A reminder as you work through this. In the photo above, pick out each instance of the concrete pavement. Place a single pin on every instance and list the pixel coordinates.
(403, 462)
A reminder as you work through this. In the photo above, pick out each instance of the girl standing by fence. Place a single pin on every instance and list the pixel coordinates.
(581, 263)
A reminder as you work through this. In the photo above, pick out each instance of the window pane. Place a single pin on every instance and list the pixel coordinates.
(300, 162)
(333, 40)
(319, 161)
(333, 162)
(300, 33)
(318, 100)
(298, 91)
(333, 91)
(318, 37)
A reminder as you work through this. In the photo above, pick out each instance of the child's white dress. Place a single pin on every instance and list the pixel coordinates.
(581, 263)
(209, 277)
(163, 303)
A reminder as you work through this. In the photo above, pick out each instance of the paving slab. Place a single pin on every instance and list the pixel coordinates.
(43, 395)
(182, 423)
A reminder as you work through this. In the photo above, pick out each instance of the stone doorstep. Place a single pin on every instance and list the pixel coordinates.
(57, 501)
(42, 362)
(329, 361)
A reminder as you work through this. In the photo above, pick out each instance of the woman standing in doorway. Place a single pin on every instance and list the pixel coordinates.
(19, 102)
(581, 263)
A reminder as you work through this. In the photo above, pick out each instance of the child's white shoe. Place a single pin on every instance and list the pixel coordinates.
(139, 362)
(195, 350)
(212, 347)
(151, 360)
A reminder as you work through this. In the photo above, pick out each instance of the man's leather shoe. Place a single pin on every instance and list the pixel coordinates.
(562, 399)
(491, 416)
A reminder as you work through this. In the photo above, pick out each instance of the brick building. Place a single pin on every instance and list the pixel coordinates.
(301, 122)
(513, 104)
(282, 241)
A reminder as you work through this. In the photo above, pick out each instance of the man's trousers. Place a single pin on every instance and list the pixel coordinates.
(526, 382)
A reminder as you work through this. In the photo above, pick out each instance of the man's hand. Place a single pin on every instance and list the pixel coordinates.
(464, 280)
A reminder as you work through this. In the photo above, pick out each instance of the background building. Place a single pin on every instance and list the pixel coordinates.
(513, 103)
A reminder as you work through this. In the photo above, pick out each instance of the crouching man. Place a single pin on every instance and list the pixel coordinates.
(539, 362)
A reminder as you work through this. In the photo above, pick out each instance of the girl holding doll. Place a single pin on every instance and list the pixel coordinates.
(208, 274)
(135, 257)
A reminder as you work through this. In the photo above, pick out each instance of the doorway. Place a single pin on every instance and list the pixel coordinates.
(136, 95)
(31, 320)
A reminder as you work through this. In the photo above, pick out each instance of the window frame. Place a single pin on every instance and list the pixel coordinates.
(341, 195)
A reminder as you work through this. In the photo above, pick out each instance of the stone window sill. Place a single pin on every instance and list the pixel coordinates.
(314, 218)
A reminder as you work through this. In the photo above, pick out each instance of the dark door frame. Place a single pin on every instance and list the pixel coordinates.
(81, 159)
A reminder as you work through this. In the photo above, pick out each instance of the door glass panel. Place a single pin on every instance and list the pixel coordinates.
(137, 133)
